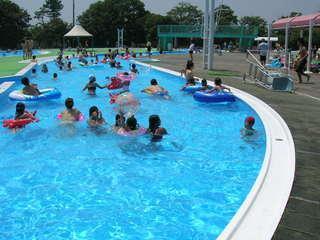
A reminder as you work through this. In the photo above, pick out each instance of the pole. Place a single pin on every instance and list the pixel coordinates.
(118, 38)
(310, 45)
(286, 45)
(205, 35)
(211, 36)
(269, 43)
(73, 10)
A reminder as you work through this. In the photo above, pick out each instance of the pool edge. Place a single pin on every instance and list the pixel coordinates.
(256, 218)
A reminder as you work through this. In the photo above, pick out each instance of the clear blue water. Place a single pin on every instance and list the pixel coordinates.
(17, 53)
(60, 182)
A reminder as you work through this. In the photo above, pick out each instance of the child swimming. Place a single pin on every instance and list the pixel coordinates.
(70, 114)
(95, 117)
(131, 124)
(33, 72)
(248, 129)
(154, 88)
(92, 85)
(154, 129)
(69, 66)
(134, 68)
(44, 68)
(120, 121)
(55, 76)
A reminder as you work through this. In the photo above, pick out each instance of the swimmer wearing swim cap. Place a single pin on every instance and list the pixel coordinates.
(248, 129)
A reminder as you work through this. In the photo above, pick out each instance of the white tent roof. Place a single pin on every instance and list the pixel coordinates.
(78, 31)
(272, 39)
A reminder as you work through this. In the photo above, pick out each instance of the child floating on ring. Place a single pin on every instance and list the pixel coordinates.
(29, 89)
(204, 85)
(21, 119)
(218, 86)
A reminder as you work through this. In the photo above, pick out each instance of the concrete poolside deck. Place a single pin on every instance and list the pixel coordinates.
(301, 111)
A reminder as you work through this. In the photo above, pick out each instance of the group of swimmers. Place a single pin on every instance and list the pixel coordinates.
(72, 114)
(249, 122)
(95, 115)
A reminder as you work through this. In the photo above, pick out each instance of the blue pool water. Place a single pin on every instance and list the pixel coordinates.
(17, 53)
(69, 182)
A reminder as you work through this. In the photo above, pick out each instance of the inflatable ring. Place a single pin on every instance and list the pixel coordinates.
(156, 93)
(81, 117)
(139, 132)
(11, 123)
(45, 94)
(116, 83)
(214, 97)
(193, 88)
(125, 78)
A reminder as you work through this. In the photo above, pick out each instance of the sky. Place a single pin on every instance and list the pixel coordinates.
(268, 9)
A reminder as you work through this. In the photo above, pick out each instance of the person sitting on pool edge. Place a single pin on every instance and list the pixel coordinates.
(155, 88)
(92, 85)
(134, 69)
(154, 129)
(29, 89)
(95, 117)
(248, 129)
(70, 114)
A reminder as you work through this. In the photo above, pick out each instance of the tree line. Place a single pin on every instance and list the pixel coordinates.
(102, 20)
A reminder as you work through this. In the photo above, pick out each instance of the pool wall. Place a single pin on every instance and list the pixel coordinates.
(260, 213)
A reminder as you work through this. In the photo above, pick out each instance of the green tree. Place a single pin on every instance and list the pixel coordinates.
(151, 25)
(49, 35)
(255, 21)
(13, 24)
(186, 14)
(50, 9)
(104, 17)
(225, 15)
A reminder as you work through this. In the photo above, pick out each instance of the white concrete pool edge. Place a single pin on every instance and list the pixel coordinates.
(260, 213)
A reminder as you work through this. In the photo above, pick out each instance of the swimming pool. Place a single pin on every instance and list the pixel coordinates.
(73, 183)
(18, 53)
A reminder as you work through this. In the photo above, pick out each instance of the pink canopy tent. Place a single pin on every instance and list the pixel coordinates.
(303, 21)
(299, 21)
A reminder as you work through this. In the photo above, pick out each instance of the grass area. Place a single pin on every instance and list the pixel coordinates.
(10, 65)
(223, 73)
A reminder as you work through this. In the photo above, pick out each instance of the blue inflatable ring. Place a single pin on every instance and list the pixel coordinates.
(46, 94)
(193, 88)
(214, 97)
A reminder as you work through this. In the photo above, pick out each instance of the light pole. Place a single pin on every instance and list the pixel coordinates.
(208, 34)
(73, 12)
